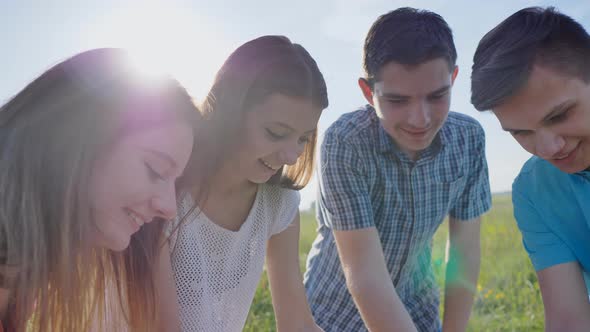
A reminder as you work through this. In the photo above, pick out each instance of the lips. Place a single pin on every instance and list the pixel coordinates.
(565, 159)
(269, 166)
(135, 217)
(416, 133)
(564, 156)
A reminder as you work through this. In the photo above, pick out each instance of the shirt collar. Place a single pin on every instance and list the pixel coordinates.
(585, 174)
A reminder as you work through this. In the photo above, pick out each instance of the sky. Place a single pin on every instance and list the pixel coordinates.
(191, 39)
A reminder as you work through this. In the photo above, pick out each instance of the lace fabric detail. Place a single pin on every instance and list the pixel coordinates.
(216, 270)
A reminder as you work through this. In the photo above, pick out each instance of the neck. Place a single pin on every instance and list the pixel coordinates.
(227, 183)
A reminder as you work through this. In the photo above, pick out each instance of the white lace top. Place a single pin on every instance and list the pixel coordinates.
(217, 270)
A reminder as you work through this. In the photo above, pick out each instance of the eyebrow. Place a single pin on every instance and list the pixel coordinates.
(398, 96)
(441, 90)
(162, 155)
(555, 109)
(286, 126)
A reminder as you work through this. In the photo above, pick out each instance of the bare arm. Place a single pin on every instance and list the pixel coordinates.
(565, 298)
(463, 261)
(167, 302)
(286, 283)
(369, 282)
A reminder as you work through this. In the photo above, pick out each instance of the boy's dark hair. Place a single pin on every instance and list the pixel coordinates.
(532, 36)
(407, 36)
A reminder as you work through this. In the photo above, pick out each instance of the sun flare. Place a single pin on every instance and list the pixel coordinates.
(163, 39)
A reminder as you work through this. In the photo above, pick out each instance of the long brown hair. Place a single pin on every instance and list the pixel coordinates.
(259, 68)
(50, 135)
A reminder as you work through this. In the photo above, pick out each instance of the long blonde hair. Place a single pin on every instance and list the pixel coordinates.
(50, 135)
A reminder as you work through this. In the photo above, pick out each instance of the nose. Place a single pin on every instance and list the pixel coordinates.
(548, 144)
(419, 116)
(164, 202)
(291, 153)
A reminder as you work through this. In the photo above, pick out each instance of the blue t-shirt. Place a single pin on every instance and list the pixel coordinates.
(552, 209)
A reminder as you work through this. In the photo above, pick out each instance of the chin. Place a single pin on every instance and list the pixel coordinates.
(118, 244)
(259, 180)
(570, 169)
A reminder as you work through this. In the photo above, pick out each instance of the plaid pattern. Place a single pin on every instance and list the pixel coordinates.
(366, 181)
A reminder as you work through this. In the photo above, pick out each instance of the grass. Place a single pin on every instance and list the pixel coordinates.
(507, 298)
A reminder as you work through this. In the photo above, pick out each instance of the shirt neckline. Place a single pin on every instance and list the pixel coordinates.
(247, 221)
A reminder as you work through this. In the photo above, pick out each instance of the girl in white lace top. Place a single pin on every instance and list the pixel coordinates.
(255, 150)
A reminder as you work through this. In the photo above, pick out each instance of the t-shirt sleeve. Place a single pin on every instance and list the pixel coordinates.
(544, 247)
(476, 198)
(343, 199)
(285, 210)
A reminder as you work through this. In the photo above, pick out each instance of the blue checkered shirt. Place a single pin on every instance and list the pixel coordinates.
(366, 181)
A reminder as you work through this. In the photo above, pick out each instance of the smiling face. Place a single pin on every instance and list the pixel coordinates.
(133, 182)
(412, 102)
(274, 134)
(550, 118)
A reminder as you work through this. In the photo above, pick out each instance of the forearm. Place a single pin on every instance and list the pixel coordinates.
(379, 305)
(460, 286)
(290, 304)
(564, 297)
(291, 309)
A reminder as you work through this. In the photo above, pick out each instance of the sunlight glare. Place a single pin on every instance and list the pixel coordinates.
(164, 39)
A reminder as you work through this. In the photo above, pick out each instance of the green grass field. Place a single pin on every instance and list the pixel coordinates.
(507, 299)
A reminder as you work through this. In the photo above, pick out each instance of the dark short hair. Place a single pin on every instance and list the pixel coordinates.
(532, 36)
(407, 36)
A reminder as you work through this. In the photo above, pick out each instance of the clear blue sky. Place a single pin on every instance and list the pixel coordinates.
(196, 36)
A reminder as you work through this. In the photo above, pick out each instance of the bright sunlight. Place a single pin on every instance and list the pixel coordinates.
(162, 39)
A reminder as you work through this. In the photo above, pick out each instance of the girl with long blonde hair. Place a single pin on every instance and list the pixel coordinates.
(90, 156)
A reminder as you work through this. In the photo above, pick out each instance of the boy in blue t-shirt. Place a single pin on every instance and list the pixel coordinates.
(532, 72)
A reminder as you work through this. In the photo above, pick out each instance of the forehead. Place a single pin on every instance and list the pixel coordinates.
(297, 113)
(544, 90)
(174, 138)
(416, 79)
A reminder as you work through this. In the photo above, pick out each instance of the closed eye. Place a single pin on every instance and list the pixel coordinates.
(153, 175)
(273, 135)
(559, 117)
(519, 132)
(438, 96)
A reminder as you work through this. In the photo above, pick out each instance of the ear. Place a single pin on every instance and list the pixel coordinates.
(454, 74)
(366, 89)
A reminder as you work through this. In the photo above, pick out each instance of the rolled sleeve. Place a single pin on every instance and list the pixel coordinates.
(476, 197)
(344, 198)
(544, 247)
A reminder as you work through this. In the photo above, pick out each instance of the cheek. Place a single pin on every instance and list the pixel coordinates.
(391, 118)
(527, 143)
(117, 184)
(256, 143)
(440, 109)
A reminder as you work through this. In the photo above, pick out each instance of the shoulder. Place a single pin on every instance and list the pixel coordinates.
(464, 137)
(350, 126)
(279, 205)
(459, 124)
(276, 198)
(538, 174)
